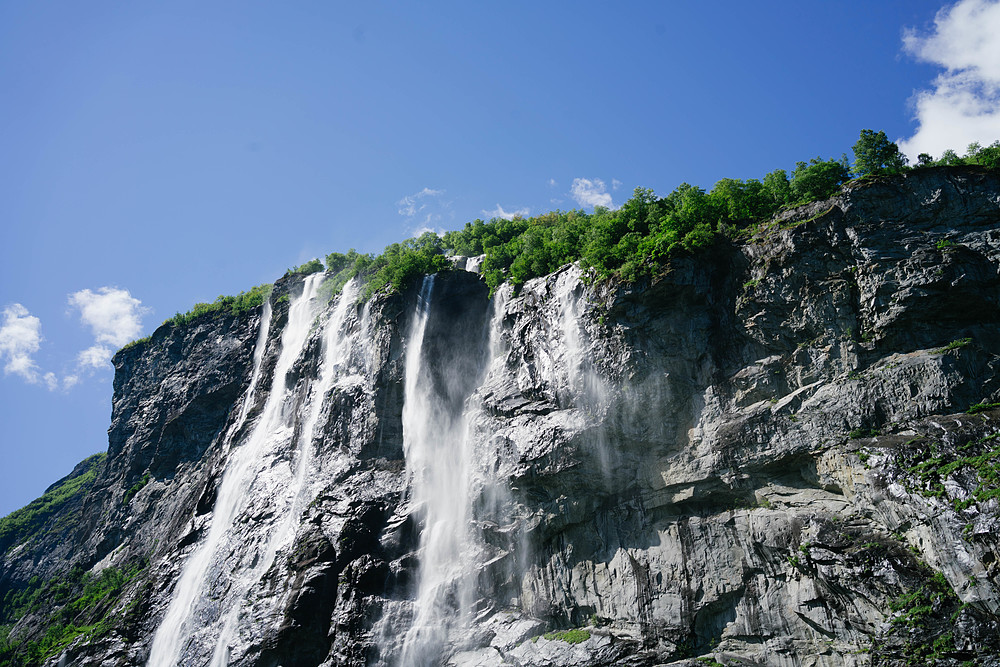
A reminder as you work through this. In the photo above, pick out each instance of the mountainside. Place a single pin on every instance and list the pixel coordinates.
(781, 451)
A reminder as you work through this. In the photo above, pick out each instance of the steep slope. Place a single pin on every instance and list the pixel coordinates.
(781, 451)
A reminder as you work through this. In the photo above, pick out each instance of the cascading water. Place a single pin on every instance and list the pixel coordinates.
(436, 443)
(585, 389)
(433, 443)
(332, 355)
(191, 610)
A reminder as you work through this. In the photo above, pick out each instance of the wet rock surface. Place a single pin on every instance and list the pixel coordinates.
(764, 456)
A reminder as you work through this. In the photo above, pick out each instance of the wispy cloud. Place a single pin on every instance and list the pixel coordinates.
(20, 338)
(411, 205)
(615, 184)
(964, 104)
(552, 183)
(424, 210)
(589, 192)
(499, 212)
(114, 317)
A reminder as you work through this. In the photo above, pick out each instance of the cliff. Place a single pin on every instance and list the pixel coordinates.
(781, 451)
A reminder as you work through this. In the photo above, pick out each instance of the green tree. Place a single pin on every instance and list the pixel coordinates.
(988, 156)
(777, 186)
(950, 158)
(818, 179)
(874, 154)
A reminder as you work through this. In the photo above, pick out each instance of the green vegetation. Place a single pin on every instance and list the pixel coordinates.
(312, 266)
(629, 243)
(636, 240)
(953, 345)
(916, 613)
(988, 156)
(976, 408)
(127, 498)
(398, 267)
(136, 342)
(875, 155)
(574, 636)
(980, 457)
(859, 433)
(235, 305)
(82, 602)
(32, 519)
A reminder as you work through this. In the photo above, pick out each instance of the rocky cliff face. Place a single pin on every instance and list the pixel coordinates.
(780, 452)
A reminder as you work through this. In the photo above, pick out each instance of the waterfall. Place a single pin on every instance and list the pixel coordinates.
(248, 468)
(332, 355)
(444, 482)
(433, 443)
(585, 388)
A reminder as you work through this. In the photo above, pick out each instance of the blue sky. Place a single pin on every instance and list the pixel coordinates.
(153, 155)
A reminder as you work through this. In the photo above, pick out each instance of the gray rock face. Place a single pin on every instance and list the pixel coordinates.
(763, 457)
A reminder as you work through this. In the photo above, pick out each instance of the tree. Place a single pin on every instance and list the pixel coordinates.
(874, 154)
(818, 179)
(777, 186)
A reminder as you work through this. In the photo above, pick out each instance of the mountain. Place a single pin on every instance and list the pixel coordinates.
(779, 451)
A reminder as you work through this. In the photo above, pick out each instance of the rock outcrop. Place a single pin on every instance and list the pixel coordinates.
(781, 451)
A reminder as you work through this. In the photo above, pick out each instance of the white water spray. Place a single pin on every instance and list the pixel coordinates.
(269, 433)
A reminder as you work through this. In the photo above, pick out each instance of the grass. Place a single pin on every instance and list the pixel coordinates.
(573, 636)
(953, 345)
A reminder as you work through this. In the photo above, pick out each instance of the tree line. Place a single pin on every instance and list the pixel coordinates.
(633, 241)
(627, 243)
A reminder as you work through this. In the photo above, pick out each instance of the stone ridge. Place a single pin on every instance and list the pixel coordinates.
(778, 452)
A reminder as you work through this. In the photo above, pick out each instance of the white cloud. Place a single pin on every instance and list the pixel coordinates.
(96, 357)
(615, 184)
(498, 212)
(410, 205)
(51, 381)
(114, 317)
(964, 104)
(70, 381)
(552, 183)
(20, 337)
(588, 192)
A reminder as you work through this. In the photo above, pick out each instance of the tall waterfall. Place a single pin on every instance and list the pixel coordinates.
(438, 448)
(213, 565)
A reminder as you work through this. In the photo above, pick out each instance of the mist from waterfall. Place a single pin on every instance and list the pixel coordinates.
(186, 613)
